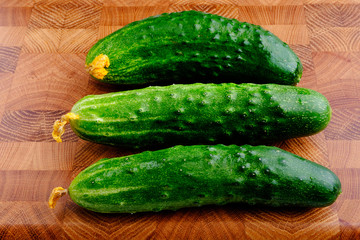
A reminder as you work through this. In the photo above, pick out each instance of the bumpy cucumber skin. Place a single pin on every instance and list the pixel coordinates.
(189, 46)
(189, 176)
(192, 114)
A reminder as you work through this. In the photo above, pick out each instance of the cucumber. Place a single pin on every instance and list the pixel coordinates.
(189, 176)
(192, 114)
(191, 46)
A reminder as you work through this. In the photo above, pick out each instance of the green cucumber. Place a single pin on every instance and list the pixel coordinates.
(189, 176)
(192, 114)
(191, 46)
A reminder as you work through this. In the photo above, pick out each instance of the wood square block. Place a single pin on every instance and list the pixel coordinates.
(82, 15)
(9, 58)
(238, 2)
(35, 95)
(313, 148)
(344, 154)
(31, 220)
(66, 14)
(272, 15)
(37, 155)
(195, 3)
(323, 15)
(349, 212)
(15, 16)
(276, 2)
(332, 66)
(330, 1)
(350, 187)
(30, 185)
(291, 34)
(222, 10)
(319, 223)
(12, 36)
(106, 30)
(350, 15)
(77, 40)
(48, 82)
(308, 78)
(120, 16)
(16, 3)
(67, 66)
(304, 53)
(201, 222)
(336, 74)
(40, 40)
(344, 124)
(355, 63)
(48, 16)
(135, 3)
(335, 39)
(90, 2)
(5, 85)
(80, 223)
(341, 93)
(64, 2)
(333, 15)
(32, 126)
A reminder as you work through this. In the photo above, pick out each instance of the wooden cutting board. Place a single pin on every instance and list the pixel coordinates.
(43, 45)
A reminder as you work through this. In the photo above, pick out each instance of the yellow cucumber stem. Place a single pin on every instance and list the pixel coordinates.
(59, 125)
(56, 193)
(97, 67)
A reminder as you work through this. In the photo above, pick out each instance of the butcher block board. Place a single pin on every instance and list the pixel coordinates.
(43, 45)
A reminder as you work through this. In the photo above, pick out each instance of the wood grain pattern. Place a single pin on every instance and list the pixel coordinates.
(18, 185)
(31, 220)
(223, 10)
(12, 36)
(291, 34)
(120, 16)
(290, 224)
(355, 63)
(344, 125)
(42, 40)
(34, 156)
(5, 86)
(350, 190)
(43, 45)
(30, 125)
(14, 16)
(343, 154)
(273, 15)
(52, 81)
(8, 58)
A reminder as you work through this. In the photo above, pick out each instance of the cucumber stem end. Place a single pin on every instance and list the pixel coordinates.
(56, 193)
(59, 125)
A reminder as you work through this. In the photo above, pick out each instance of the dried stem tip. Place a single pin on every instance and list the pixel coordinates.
(60, 124)
(56, 193)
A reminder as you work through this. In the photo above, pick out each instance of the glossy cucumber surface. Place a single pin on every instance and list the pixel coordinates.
(192, 46)
(189, 176)
(192, 114)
